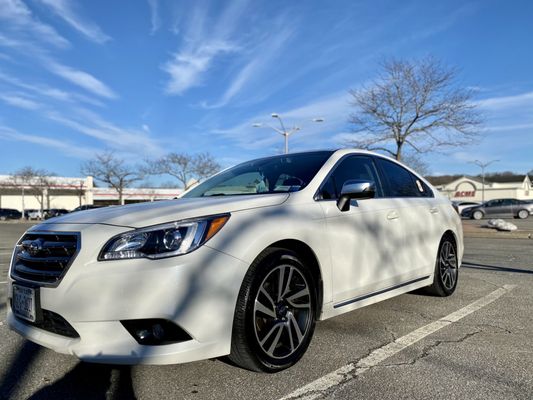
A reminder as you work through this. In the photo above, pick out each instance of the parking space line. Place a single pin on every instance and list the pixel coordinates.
(319, 387)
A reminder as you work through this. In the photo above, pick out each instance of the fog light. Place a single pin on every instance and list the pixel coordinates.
(155, 332)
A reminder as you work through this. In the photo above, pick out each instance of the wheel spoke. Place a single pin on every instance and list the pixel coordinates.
(269, 298)
(291, 340)
(299, 334)
(288, 284)
(295, 296)
(260, 307)
(270, 332)
(280, 282)
(275, 341)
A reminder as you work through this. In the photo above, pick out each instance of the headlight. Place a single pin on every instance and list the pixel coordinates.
(165, 240)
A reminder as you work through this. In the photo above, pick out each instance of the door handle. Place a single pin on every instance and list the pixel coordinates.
(433, 210)
(392, 215)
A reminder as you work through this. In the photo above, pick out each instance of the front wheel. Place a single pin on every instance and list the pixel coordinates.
(446, 269)
(275, 314)
(523, 214)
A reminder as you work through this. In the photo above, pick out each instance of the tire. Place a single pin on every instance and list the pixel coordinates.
(523, 214)
(2, 218)
(477, 215)
(446, 269)
(274, 324)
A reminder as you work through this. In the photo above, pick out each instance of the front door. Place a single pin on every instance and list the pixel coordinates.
(366, 242)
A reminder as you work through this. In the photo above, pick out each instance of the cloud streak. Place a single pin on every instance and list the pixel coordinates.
(204, 40)
(19, 101)
(65, 11)
(19, 18)
(81, 79)
(503, 102)
(155, 17)
(67, 148)
(333, 108)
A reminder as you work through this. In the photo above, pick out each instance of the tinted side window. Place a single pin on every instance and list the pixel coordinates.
(354, 167)
(398, 181)
(423, 189)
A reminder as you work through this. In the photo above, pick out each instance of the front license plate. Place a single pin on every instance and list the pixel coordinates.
(24, 302)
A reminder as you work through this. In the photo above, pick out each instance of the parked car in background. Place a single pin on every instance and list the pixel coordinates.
(54, 212)
(499, 208)
(242, 264)
(9, 213)
(461, 205)
(85, 207)
(33, 214)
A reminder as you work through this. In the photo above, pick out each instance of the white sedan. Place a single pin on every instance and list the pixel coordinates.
(242, 265)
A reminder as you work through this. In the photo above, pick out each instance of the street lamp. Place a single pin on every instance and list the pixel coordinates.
(483, 165)
(283, 131)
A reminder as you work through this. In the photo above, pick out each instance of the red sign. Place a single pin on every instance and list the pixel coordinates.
(471, 193)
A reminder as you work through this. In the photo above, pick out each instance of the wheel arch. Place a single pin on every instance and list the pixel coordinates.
(310, 260)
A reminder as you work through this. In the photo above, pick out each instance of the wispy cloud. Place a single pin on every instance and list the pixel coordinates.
(155, 18)
(204, 40)
(264, 54)
(65, 10)
(15, 15)
(49, 92)
(19, 101)
(502, 102)
(130, 140)
(334, 109)
(187, 67)
(68, 149)
(80, 78)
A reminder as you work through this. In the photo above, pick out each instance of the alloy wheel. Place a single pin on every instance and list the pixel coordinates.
(282, 311)
(448, 265)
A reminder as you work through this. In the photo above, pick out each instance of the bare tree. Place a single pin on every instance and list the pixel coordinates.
(416, 104)
(184, 167)
(113, 171)
(415, 162)
(38, 182)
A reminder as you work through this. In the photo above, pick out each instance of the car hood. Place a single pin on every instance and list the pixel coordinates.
(153, 213)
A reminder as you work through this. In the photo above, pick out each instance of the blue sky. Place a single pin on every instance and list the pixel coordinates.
(146, 77)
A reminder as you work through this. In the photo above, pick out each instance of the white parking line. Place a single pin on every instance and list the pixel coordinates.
(344, 374)
(2, 282)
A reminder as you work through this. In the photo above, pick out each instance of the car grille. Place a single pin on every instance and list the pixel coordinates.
(44, 257)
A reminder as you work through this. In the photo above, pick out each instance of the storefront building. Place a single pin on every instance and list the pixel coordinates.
(472, 189)
(69, 193)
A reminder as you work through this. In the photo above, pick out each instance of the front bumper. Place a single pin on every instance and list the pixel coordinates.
(197, 291)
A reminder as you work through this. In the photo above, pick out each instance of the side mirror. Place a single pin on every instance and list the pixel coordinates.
(355, 189)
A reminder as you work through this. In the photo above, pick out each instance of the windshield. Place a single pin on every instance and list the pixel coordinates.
(279, 174)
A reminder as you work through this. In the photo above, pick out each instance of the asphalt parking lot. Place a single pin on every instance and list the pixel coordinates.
(473, 345)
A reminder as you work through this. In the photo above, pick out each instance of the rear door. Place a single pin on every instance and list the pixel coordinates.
(419, 215)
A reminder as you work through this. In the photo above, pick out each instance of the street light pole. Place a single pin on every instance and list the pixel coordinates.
(283, 131)
(483, 165)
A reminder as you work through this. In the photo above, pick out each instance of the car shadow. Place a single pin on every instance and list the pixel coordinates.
(90, 381)
(495, 268)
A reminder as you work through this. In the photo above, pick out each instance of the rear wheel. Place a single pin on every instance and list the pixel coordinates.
(446, 269)
(477, 215)
(275, 314)
(523, 214)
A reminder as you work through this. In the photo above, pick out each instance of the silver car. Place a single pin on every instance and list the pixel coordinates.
(499, 208)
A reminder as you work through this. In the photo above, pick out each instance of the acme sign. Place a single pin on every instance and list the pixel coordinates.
(466, 193)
